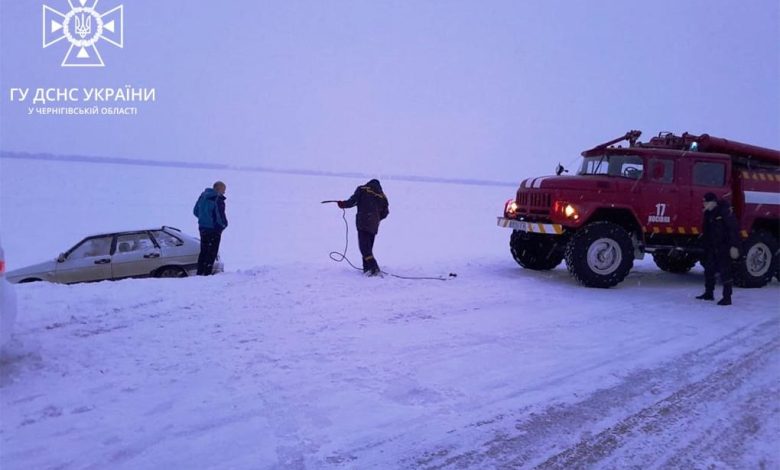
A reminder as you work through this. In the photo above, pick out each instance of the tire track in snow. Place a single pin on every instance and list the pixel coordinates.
(559, 437)
(678, 410)
(758, 419)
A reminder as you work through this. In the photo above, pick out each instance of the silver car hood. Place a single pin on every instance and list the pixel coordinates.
(42, 270)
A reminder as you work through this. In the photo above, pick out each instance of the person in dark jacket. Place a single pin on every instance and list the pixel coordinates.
(372, 207)
(210, 211)
(720, 242)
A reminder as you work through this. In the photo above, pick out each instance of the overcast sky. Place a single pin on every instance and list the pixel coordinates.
(483, 89)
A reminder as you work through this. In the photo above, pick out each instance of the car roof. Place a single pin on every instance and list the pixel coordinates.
(169, 229)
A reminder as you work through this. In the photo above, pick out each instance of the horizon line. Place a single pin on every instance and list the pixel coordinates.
(258, 169)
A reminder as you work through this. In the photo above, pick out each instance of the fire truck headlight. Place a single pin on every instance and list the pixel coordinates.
(571, 212)
(564, 209)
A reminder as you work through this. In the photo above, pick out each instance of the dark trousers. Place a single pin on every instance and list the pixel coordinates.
(717, 263)
(366, 243)
(209, 248)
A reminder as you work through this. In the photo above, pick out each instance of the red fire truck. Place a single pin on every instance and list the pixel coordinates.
(632, 198)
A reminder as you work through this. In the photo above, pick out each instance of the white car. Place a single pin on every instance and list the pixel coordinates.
(156, 252)
(7, 304)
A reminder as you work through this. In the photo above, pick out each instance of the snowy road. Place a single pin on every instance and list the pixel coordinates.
(290, 367)
(291, 361)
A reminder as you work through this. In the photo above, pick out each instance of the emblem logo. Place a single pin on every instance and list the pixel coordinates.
(83, 26)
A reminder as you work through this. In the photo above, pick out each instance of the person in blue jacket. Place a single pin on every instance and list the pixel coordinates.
(210, 211)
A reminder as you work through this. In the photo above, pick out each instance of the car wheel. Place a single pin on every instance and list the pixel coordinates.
(758, 261)
(674, 261)
(537, 252)
(171, 271)
(600, 255)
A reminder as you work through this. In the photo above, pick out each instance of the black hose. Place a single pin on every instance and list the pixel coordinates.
(337, 256)
(342, 256)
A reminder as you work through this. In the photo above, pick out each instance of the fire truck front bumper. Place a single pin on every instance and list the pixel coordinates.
(530, 227)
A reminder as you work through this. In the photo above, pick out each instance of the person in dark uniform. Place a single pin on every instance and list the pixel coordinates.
(720, 241)
(210, 211)
(372, 207)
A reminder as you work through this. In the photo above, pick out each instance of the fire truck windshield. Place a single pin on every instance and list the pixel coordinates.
(626, 166)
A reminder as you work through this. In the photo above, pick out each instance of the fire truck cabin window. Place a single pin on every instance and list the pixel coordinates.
(709, 174)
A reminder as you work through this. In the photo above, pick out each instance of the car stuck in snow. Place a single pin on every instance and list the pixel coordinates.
(157, 252)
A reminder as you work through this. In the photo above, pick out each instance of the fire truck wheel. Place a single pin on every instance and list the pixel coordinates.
(674, 261)
(758, 260)
(600, 254)
(534, 251)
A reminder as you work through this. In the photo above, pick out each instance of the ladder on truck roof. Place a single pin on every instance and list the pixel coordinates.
(744, 154)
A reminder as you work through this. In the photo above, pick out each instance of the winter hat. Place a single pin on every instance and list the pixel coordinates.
(709, 197)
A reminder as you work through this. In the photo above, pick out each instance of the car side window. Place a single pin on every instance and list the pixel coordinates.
(166, 240)
(661, 171)
(709, 174)
(98, 246)
(131, 242)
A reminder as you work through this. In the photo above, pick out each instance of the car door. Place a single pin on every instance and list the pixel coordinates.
(661, 210)
(90, 260)
(706, 175)
(135, 255)
(174, 250)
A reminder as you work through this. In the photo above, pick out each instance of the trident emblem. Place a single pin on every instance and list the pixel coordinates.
(83, 25)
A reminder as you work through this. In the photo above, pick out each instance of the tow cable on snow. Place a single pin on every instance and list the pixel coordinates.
(339, 256)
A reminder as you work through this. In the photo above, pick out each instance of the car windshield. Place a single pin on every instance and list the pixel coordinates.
(626, 166)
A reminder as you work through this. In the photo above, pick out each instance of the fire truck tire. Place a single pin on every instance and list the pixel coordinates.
(533, 251)
(674, 262)
(758, 260)
(600, 254)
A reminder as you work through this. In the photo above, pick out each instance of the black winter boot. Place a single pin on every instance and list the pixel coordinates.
(706, 296)
(725, 301)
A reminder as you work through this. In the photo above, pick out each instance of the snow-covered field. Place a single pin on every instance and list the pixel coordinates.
(289, 360)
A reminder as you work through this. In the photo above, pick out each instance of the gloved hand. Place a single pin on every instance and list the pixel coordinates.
(734, 252)
(341, 204)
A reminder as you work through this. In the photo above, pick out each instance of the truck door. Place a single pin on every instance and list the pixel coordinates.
(705, 175)
(660, 204)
